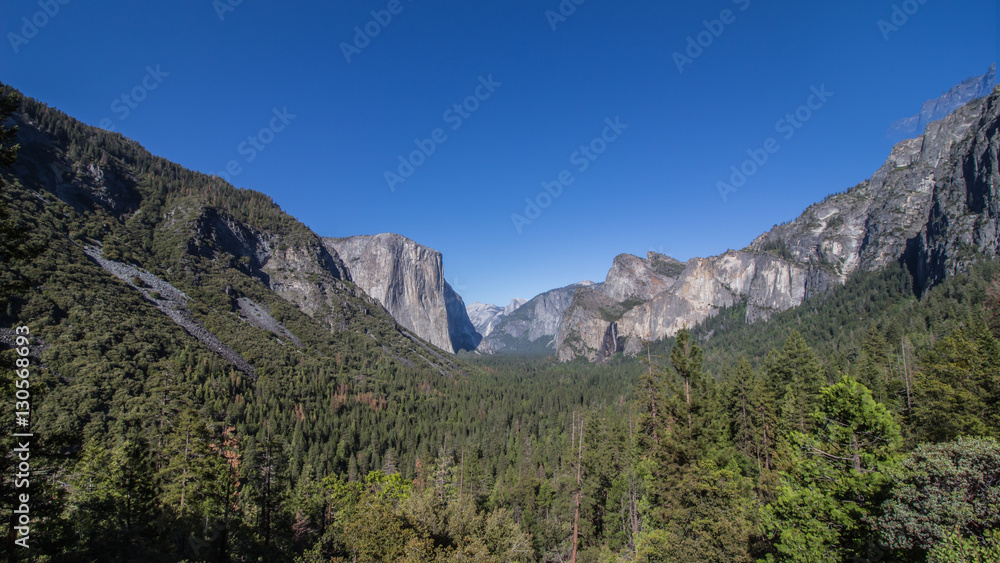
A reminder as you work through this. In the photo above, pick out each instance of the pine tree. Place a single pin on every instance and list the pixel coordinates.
(957, 389)
(752, 422)
(691, 430)
(797, 368)
(187, 478)
(838, 477)
(113, 501)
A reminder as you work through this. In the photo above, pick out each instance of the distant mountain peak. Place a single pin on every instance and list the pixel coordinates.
(486, 316)
(939, 108)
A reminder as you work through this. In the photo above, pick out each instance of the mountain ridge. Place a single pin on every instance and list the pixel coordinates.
(232, 252)
(912, 210)
(485, 316)
(934, 196)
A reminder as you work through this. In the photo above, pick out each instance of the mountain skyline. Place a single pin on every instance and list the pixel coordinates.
(325, 134)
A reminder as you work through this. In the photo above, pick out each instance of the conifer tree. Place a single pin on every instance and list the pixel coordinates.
(838, 477)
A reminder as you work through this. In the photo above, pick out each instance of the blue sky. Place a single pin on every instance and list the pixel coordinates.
(223, 72)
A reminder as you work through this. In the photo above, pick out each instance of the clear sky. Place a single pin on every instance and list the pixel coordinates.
(192, 80)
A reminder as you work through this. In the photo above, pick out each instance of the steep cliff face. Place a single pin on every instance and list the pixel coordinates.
(461, 332)
(933, 205)
(941, 182)
(584, 330)
(408, 280)
(964, 216)
(532, 326)
(766, 282)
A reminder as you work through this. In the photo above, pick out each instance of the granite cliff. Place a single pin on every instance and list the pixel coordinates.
(408, 280)
(933, 205)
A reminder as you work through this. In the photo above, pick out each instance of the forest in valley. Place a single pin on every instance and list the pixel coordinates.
(859, 426)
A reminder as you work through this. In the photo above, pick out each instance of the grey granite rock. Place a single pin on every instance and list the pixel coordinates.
(933, 205)
(408, 280)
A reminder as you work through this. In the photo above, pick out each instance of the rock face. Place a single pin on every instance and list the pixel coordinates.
(939, 108)
(485, 317)
(532, 327)
(934, 206)
(632, 277)
(586, 328)
(408, 280)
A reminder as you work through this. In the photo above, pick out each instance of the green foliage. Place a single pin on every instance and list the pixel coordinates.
(14, 246)
(958, 549)
(838, 477)
(796, 377)
(112, 502)
(958, 388)
(943, 493)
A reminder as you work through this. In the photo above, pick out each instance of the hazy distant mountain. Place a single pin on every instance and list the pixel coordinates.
(532, 327)
(939, 108)
(485, 316)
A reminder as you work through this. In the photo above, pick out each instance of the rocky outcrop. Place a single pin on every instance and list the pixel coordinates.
(933, 205)
(485, 317)
(632, 277)
(630, 282)
(299, 268)
(881, 220)
(533, 326)
(964, 215)
(408, 280)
